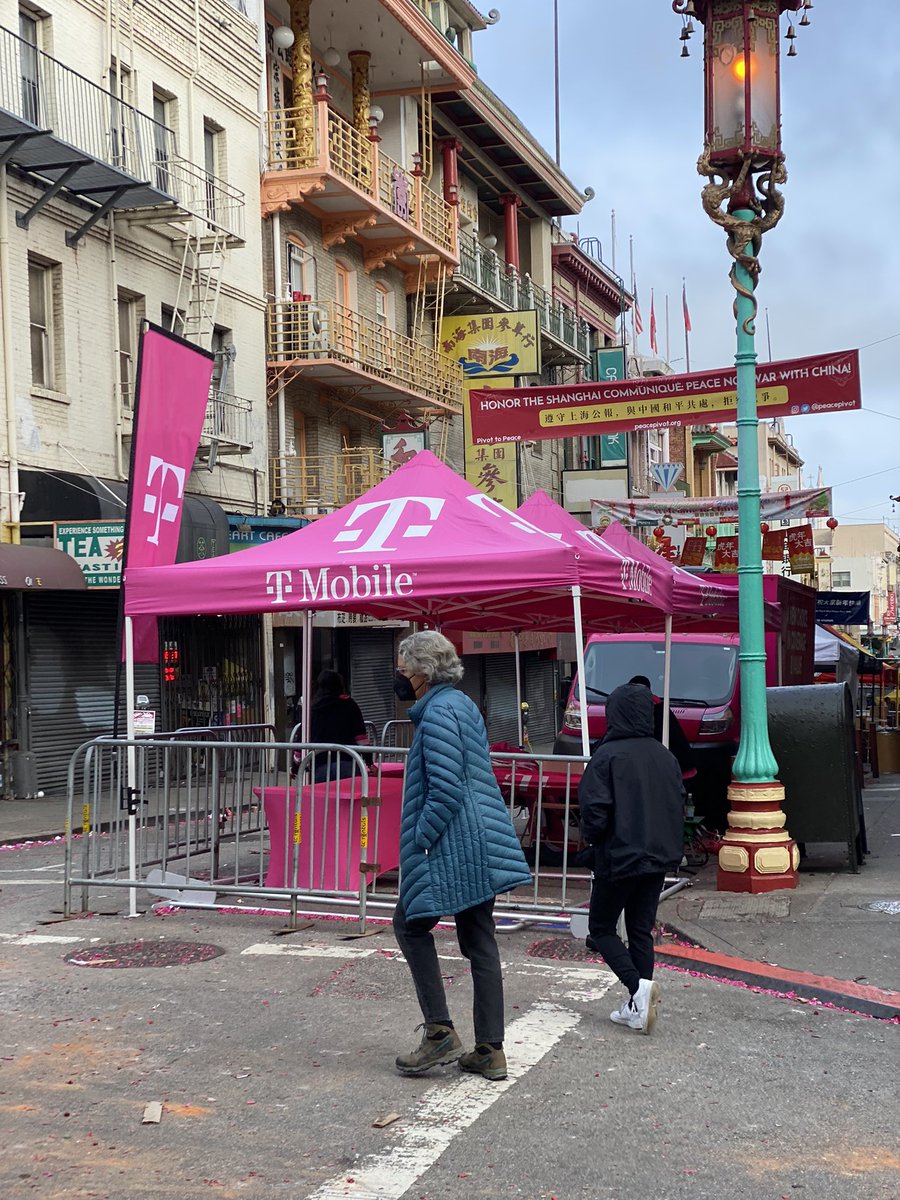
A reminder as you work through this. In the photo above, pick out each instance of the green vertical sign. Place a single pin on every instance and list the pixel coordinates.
(613, 450)
(609, 364)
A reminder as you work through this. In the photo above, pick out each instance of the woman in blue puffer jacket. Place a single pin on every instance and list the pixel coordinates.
(458, 851)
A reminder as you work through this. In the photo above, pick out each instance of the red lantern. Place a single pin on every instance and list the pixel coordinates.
(764, 527)
(659, 532)
(711, 531)
(832, 522)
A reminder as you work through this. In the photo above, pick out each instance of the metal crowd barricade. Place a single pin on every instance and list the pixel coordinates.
(218, 815)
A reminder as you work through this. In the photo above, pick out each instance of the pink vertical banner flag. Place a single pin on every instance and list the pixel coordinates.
(171, 398)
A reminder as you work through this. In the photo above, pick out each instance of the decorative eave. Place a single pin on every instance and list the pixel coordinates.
(415, 22)
(702, 7)
(598, 284)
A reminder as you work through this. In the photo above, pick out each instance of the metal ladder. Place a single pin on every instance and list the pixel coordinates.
(199, 285)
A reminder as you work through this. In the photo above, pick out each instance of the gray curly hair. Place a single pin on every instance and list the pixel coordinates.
(430, 654)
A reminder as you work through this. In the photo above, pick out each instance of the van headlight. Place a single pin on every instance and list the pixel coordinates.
(714, 726)
(572, 718)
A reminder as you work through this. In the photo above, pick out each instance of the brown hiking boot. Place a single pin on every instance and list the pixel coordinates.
(439, 1045)
(486, 1061)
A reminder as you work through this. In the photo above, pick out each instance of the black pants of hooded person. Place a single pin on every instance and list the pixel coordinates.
(638, 898)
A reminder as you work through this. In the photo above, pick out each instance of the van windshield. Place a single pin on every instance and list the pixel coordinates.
(702, 673)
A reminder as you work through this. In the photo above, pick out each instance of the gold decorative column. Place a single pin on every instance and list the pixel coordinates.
(362, 99)
(304, 123)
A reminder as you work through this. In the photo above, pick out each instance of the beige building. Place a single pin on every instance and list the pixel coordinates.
(864, 559)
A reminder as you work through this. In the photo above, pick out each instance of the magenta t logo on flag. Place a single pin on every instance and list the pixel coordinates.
(173, 394)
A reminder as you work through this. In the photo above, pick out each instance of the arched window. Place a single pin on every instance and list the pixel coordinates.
(301, 269)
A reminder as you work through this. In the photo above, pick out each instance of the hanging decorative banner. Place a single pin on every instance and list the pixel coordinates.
(842, 608)
(723, 510)
(818, 384)
(773, 545)
(693, 552)
(726, 556)
(801, 550)
(493, 469)
(890, 613)
(485, 344)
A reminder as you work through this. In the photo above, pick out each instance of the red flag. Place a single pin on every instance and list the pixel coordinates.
(653, 345)
(638, 319)
(687, 315)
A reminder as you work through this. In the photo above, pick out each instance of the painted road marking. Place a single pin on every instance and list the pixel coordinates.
(446, 1110)
(37, 939)
(279, 948)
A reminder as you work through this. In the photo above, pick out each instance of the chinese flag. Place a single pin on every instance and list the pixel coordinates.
(687, 315)
(653, 346)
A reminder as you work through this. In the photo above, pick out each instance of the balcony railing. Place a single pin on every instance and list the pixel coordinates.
(482, 268)
(313, 331)
(42, 93)
(311, 485)
(341, 149)
(228, 421)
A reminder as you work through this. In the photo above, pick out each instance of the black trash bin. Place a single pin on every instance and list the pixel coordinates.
(812, 734)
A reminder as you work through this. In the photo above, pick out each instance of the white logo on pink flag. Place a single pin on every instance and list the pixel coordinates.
(154, 504)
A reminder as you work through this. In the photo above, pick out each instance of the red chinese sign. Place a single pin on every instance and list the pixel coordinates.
(819, 384)
(726, 556)
(773, 546)
(801, 551)
(890, 613)
(693, 552)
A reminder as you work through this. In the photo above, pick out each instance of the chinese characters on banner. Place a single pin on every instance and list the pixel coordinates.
(800, 550)
(773, 545)
(726, 556)
(890, 612)
(486, 344)
(693, 552)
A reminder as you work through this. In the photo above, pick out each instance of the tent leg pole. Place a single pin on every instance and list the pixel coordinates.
(582, 682)
(131, 764)
(519, 690)
(667, 680)
(307, 675)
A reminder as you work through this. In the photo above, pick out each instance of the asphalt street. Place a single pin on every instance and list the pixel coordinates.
(273, 1061)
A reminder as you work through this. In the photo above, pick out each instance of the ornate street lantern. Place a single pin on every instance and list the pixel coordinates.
(744, 165)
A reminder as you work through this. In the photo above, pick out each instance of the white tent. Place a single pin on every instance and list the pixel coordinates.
(834, 654)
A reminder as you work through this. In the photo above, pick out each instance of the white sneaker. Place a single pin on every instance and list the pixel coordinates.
(645, 1001)
(627, 1015)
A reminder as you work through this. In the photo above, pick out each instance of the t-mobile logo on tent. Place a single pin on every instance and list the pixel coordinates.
(393, 514)
(153, 500)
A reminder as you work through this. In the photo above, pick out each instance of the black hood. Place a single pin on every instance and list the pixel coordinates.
(325, 702)
(629, 712)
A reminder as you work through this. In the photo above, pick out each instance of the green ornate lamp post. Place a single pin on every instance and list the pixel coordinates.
(743, 163)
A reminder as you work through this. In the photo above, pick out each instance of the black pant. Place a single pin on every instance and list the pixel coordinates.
(477, 939)
(638, 896)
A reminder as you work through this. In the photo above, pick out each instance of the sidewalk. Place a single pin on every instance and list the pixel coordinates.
(32, 820)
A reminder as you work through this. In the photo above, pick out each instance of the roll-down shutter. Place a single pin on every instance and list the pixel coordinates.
(371, 682)
(539, 676)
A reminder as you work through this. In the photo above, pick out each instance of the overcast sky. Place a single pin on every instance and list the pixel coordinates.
(632, 130)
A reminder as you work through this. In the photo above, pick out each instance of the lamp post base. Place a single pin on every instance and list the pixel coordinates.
(757, 853)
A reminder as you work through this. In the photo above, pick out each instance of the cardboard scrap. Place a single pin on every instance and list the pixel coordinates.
(293, 929)
(152, 1113)
(382, 1122)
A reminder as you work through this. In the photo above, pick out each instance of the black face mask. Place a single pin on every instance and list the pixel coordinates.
(403, 688)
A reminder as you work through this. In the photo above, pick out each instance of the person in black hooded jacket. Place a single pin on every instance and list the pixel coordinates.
(631, 803)
(335, 719)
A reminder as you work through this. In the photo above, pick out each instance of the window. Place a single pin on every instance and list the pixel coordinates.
(212, 161)
(41, 299)
(301, 270)
(223, 348)
(343, 291)
(840, 579)
(127, 317)
(171, 320)
(29, 66)
(120, 114)
(163, 137)
(383, 306)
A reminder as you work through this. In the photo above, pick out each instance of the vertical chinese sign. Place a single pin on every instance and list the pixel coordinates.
(492, 349)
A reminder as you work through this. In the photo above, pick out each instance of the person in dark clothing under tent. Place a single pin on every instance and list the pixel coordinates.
(334, 719)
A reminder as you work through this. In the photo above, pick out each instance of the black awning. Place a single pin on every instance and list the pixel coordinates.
(38, 569)
(65, 496)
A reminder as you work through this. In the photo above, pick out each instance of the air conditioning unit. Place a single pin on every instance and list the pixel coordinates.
(316, 329)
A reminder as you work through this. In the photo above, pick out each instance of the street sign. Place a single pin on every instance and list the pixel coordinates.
(667, 474)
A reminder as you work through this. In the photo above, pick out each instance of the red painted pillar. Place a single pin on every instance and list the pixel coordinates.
(511, 213)
(450, 147)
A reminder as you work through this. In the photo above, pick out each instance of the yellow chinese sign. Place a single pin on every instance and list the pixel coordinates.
(719, 402)
(494, 468)
(486, 344)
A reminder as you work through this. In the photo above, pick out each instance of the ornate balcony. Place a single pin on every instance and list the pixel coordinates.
(78, 137)
(493, 280)
(321, 160)
(311, 485)
(336, 347)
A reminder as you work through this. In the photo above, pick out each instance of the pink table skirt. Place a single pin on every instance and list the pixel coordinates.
(329, 833)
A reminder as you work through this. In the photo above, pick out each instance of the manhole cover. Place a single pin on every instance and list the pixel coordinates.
(144, 954)
(885, 906)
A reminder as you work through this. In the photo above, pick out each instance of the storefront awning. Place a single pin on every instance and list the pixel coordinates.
(65, 496)
(38, 569)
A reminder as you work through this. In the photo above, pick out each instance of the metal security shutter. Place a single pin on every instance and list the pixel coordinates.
(371, 682)
(539, 676)
(500, 689)
(71, 673)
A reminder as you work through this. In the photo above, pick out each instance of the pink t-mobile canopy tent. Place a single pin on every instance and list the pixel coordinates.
(422, 545)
